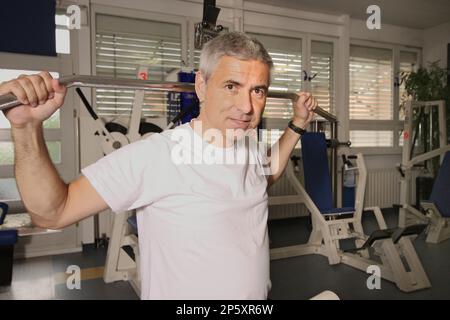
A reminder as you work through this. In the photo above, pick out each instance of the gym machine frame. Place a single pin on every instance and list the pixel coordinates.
(439, 227)
(393, 246)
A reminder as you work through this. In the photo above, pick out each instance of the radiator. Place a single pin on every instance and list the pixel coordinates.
(382, 188)
(282, 188)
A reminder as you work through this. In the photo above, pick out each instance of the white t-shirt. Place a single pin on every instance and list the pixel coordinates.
(202, 227)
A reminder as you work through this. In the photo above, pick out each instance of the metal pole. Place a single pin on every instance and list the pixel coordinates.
(9, 100)
(334, 156)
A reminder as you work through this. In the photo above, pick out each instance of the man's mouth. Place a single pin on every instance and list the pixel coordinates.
(239, 123)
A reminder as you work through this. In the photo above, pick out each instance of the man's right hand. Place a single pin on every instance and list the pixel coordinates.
(40, 95)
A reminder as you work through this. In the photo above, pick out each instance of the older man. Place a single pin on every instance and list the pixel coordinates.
(202, 226)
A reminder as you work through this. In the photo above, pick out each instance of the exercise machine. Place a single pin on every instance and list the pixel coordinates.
(436, 210)
(398, 260)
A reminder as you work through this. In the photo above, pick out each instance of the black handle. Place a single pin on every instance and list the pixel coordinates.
(86, 104)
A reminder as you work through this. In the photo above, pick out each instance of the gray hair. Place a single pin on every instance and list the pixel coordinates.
(233, 44)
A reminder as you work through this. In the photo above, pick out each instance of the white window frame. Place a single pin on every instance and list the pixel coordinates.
(395, 124)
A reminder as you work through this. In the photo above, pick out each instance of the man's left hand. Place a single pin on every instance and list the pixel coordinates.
(304, 109)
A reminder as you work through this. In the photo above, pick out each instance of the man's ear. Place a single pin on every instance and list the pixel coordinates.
(200, 86)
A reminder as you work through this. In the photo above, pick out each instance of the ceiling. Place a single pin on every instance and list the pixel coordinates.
(418, 14)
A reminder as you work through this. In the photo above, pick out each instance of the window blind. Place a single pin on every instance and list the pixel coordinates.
(370, 83)
(322, 68)
(122, 45)
(372, 138)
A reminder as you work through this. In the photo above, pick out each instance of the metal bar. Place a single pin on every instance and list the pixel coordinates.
(9, 100)
(294, 97)
(334, 156)
(426, 156)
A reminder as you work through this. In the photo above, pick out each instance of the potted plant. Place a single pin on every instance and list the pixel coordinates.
(428, 84)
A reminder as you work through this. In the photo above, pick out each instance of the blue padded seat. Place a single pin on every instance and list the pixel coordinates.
(8, 237)
(317, 174)
(4, 210)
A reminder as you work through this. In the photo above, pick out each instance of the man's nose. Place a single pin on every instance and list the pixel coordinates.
(244, 102)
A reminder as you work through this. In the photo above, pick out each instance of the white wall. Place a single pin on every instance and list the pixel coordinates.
(387, 34)
(435, 44)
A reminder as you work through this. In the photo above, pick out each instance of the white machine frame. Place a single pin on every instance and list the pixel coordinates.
(327, 230)
(119, 265)
(439, 227)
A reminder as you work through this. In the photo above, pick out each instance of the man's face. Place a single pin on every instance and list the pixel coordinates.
(234, 95)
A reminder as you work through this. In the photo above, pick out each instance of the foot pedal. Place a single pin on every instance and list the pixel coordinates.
(374, 236)
(415, 229)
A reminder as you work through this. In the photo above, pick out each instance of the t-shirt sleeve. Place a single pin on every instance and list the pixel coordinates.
(123, 178)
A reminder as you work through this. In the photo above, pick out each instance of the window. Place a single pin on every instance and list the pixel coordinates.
(371, 95)
(408, 64)
(375, 115)
(122, 45)
(322, 73)
(371, 138)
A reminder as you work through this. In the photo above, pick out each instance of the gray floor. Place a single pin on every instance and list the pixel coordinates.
(305, 276)
(44, 278)
(292, 278)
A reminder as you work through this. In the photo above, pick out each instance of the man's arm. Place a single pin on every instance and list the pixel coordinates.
(50, 202)
(280, 152)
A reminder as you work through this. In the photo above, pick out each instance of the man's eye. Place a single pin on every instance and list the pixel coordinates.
(230, 86)
(259, 92)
